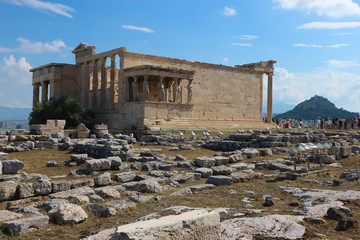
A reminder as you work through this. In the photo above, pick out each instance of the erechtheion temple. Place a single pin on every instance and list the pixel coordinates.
(133, 90)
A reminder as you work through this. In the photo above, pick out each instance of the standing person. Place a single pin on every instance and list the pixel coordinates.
(358, 117)
(318, 122)
(301, 123)
(345, 124)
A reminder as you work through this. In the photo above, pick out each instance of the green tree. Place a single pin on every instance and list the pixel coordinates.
(65, 108)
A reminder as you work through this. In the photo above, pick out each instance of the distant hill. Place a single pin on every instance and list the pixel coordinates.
(7, 113)
(315, 107)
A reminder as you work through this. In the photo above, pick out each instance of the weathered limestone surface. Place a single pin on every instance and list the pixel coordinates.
(25, 225)
(68, 214)
(197, 225)
(6, 215)
(97, 165)
(7, 190)
(77, 191)
(271, 226)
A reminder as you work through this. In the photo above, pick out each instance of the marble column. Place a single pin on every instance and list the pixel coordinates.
(35, 94)
(86, 85)
(103, 83)
(95, 84)
(112, 81)
(269, 97)
(44, 91)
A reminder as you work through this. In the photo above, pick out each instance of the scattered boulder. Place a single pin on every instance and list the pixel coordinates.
(205, 172)
(26, 190)
(68, 214)
(222, 170)
(25, 225)
(97, 165)
(206, 162)
(12, 166)
(60, 185)
(6, 215)
(268, 202)
(7, 190)
(77, 191)
(100, 210)
(109, 193)
(121, 204)
(42, 187)
(125, 176)
(103, 180)
(144, 186)
(219, 180)
(51, 163)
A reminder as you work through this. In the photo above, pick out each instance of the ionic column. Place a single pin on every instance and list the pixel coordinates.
(103, 83)
(44, 91)
(35, 94)
(269, 97)
(86, 72)
(112, 81)
(161, 90)
(95, 84)
(146, 90)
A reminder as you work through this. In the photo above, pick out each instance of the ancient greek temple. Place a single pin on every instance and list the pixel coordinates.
(138, 91)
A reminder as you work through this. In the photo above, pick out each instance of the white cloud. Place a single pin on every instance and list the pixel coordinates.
(247, 37)
(341, 64)
(141, 29)
(15, 72)
(56, 8)
(345, 34)
(327, 8)
(16, 104)
(319, 46)
(229, 11)
(242, 44)
(342, 88)
(27, 46)
(329, 25)
(225, 60)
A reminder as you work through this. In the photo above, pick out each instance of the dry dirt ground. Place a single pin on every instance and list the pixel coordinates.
(219, 197)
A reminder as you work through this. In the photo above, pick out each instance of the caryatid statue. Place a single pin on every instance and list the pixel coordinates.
(175, 89)
(161, 90)
(189, 89)
(146, 89)
(135, 88)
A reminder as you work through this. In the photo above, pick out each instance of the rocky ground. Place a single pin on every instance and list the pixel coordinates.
(244, 185)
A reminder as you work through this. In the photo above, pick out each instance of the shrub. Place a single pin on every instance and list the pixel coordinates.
(65, 108)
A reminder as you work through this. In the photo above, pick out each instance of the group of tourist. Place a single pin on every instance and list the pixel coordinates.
(335, 123)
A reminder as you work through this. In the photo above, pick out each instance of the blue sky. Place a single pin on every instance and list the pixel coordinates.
(316, 42)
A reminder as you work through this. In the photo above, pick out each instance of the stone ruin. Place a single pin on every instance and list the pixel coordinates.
(101, 193)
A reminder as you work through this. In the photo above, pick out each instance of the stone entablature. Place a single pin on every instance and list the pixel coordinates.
(138, 90)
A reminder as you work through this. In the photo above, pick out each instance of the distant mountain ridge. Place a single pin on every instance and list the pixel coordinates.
(7, 113)
(315, 107)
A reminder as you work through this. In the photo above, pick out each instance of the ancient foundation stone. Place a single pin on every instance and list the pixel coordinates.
(196, 225)
(25, 225)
